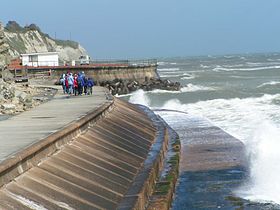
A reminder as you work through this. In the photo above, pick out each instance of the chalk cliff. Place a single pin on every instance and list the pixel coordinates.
(15, 40)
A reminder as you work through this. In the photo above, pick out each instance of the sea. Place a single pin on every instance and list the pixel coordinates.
(241, 95)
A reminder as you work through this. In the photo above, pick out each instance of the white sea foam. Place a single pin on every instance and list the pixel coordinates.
(229, 56)
(170, 75)
(163, 91)
(192, 88)
(261, 64)
(188, 77)
(204, 66)
(219, 68)
(271, 83)
(161, 63)
(168, 69)
(188, 88)
(124, 95)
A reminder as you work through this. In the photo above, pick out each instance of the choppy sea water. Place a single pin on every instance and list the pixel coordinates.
(241, 95)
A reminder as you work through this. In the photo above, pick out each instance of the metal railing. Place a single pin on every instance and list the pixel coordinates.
(40, 63)
(124, 62)
(98, 62)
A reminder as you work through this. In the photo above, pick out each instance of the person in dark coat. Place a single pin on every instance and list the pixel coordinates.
(80, 81)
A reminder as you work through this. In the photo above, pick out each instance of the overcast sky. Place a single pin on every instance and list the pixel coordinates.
(154, 28)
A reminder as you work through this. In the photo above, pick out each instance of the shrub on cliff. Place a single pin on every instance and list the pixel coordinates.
(13, 26)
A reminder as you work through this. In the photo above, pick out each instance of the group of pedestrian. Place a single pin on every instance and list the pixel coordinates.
(77, 84)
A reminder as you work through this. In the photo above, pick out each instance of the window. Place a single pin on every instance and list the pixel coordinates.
(33, 58)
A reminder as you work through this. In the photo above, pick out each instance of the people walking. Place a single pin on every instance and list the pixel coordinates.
(62, 82)
(80, 81)
(66, 84)
(77, 84)
(85, 85)
(76, 87)
(70, 79)
(90, 84)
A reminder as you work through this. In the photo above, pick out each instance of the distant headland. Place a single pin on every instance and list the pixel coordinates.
(16, 40)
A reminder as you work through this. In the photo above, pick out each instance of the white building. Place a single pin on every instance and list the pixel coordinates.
(40, 59)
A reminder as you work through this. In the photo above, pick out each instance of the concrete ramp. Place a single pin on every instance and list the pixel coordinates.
(92, 170)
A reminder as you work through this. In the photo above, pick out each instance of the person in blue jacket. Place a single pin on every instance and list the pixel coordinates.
(81, 83)
(90, 84)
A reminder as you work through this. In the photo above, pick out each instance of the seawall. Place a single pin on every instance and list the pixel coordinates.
(102, 72)
(108, 159)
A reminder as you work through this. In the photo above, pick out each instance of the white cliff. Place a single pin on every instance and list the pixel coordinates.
(16, 40)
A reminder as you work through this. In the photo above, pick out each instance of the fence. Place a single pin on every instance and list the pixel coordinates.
(123, 62)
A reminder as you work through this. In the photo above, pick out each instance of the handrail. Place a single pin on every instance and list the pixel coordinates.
(97, 62)
(142, 62)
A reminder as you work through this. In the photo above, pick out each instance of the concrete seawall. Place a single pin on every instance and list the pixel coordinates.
(126, 73)
(108, 159)
(103, 72)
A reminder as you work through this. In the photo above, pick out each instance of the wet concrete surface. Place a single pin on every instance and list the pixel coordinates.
(214, 189)
(213, 164)
(211, 189)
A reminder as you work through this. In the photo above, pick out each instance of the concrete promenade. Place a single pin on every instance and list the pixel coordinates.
(83, 152)
(23, 130)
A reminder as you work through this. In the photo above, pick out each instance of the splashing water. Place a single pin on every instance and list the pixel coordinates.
(139, 97)
(252, 120)
(263, 150)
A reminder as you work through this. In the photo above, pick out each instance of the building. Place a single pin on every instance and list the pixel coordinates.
(40, 59)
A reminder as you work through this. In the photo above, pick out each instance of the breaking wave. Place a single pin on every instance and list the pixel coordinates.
(192, 88)
(168, 69)
(219, 68)
(269, 84)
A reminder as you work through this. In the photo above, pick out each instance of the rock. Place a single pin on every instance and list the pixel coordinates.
(2, 98)
(28, 101)
(22, 96)
(7, 75)
(16, 98)
(40, 99)
(8, 106)
(119, 86)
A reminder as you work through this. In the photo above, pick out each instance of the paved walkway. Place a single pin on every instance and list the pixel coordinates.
(18, 132)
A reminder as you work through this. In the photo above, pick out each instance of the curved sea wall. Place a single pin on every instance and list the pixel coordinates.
(108, 159)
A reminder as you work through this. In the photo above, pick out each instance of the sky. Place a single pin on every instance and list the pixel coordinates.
(127, 29)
